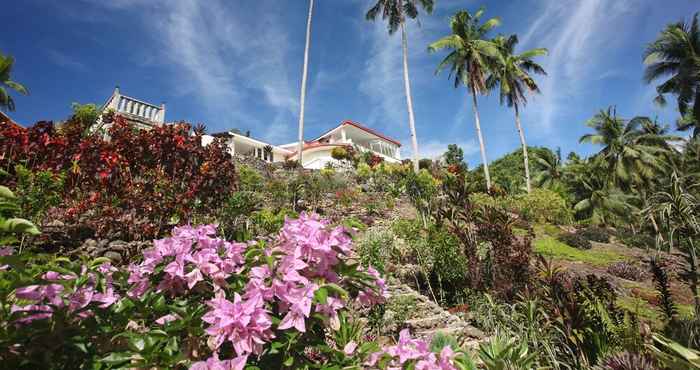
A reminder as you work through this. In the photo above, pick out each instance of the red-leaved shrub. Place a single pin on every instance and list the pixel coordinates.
(132, 184)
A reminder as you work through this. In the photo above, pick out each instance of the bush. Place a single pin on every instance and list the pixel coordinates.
(135, 185)
(375, 249)
(595, 234)
(575, 240)
(339, 153)
(626, 270)
(193, 298)
(541, 205)
(636, 240)
(250, 179)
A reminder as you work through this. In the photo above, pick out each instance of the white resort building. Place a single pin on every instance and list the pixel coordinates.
(316, 153)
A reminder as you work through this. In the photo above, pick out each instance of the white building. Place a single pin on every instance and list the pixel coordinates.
(140, 113)
(316, 153)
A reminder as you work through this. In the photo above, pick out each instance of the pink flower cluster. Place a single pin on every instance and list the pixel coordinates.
(190, 255)
(414, 351)
(290, 273)
(45, 298)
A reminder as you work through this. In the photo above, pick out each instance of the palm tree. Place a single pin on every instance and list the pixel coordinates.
(302, 99)
(600, 199)
(550, 168)
(676, 53)
(469, 60)
(630, 155)
(6, 101)
(512, 74)
(395, 13)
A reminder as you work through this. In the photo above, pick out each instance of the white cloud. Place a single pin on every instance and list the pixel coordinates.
(64, 60)
(579, 36)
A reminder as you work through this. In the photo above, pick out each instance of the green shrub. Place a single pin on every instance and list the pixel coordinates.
(595, 234)
(250, 179)
(575, 240)
(339, 153)
(266, 221)
(37, 192)
(636, 240)
(364, 171)
(375, 249)
(353, 223)
(541, 205)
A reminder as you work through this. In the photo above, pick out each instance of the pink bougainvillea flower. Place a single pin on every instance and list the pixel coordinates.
(213, 363)
(349, 348)
(167, 318)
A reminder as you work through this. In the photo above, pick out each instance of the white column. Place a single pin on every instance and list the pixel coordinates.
(342, 135)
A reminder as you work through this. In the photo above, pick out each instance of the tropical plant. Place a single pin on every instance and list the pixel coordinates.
(12, 228)
(629, 153)
(511, 73)
(506, 353)
(675, 54)
(470, 58)
(550, 167)
(6, 101)
(302, 98)
(395, 13)
(677, 209)
(673, 355)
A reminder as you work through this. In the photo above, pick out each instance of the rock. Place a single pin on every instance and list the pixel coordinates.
(118, 246)
(115, 257)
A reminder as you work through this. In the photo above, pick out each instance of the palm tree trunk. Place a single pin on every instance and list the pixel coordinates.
(409, 99)
(477, 123)
(303, 84)
(524, 145)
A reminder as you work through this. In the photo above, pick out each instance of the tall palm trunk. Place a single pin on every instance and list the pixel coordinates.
(303, 83)
(524, 145)
(409, 99)
(477, 123)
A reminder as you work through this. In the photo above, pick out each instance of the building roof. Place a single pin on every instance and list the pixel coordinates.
(6, 118)
(361, 127)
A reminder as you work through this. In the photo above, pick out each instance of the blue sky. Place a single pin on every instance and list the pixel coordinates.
(238, 64)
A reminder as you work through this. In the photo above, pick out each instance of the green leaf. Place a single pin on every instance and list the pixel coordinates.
(5, 192)
(116, 358)
(289, 361)
(20, 226)
(321, 295)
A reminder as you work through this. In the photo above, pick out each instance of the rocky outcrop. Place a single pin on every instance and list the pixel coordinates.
(118, 251)
(425, 318)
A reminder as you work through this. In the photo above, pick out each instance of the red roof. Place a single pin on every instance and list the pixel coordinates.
(314, 144)
(363, 128)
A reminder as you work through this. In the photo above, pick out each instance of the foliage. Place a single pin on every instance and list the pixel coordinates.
(507, 171)
(12, 228)
(375, 249)
(595, 234)
(85, 115)
(506, 353)
(626, 270)
(575, 240)
(551, 247)
(6, 101)
(636, 240)
(249, 179)
(673, 355)
(251, 302)
(134, 185)
(663, 288)
(339, 153)
(674, 54)
(454, 155)
(627, 361)
(541, 205)
(38, 191)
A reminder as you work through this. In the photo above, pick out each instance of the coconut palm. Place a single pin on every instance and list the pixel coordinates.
(676, 54)
(600, 200)
(302, 99)
(395, 13)
(471, 55)
(512, 75)
(6, 101)
(550, 168)
(629, 154)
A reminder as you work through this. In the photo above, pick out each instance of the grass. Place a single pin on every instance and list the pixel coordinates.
(551, 247)
(647, 312)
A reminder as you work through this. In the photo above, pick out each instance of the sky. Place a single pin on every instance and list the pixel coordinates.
(237, 64)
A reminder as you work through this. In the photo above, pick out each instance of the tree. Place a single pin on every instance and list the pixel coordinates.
(302, 99)
(629, 154)
(471, 55)
(599, 200)
(454, 154)
(395, 13)
(550, 168)
(6, 101)
(512, 74)
(676, 54)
